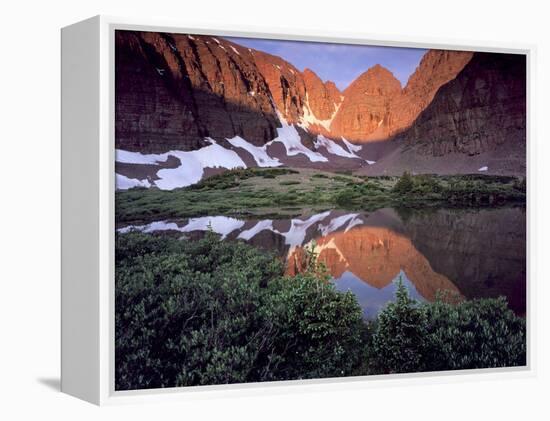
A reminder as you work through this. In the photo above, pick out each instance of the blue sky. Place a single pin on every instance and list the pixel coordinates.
(341, 63)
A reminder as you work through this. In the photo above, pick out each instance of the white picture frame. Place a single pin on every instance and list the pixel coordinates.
(88, 185)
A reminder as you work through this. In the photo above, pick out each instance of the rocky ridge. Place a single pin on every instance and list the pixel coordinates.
(175, 90)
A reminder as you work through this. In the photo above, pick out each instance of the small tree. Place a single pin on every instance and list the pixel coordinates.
(405, 184)
(399, 339)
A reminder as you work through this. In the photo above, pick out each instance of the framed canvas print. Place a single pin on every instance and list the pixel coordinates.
(260, 209)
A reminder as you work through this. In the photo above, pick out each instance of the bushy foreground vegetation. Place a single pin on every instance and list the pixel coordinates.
(272, 191)
(211, 312)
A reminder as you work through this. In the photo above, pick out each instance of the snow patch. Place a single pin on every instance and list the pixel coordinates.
(330, 245)
(370, 162)
(235, 50)
(353, 223)
(333, 148)
(192, 165)
(258, 152)
(309, 118)
(125, 183)
(290, 138)
(152, 227)
(216, 39)
(351, 147)
(190, 37)
(128, 157)
(484, 169)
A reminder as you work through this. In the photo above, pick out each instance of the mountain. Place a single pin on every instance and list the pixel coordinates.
(481, 109)
(173, 91)
(366, 105)
(436, 68)
(215, 105)
(475, 122)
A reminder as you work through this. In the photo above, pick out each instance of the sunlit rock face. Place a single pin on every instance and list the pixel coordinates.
(436, 68)
(376, 108)
(174, 90)
(365, 110)
(178, 93)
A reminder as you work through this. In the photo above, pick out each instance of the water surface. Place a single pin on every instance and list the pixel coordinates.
(469, 253)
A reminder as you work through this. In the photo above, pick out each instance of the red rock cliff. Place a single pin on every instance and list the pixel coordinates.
(479, 110)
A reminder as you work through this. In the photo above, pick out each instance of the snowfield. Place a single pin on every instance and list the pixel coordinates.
(193, 163)
(309, 118)
(332, 147)
(351, 147)
(290, 138)
(124, 183)
(222, 225)
(258, 152)
(340, 221)
(139, 158)
(190, 171)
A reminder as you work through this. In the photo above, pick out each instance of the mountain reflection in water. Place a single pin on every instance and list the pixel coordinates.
(473, 253)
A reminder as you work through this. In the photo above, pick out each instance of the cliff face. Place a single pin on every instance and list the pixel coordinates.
(172, 91)
(479, 110)
(375, 107)
(285, 84)
(365, 110)
(175, 90)
(436, 68)
(323, 98)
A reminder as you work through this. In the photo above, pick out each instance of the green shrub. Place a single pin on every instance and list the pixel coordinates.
(319, 330)
(211, 312)
(474, 334)
(344, 197)
(187, 313)
(411, 337)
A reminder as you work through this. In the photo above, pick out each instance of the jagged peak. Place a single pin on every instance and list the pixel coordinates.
(443, 64)
(375, 79)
